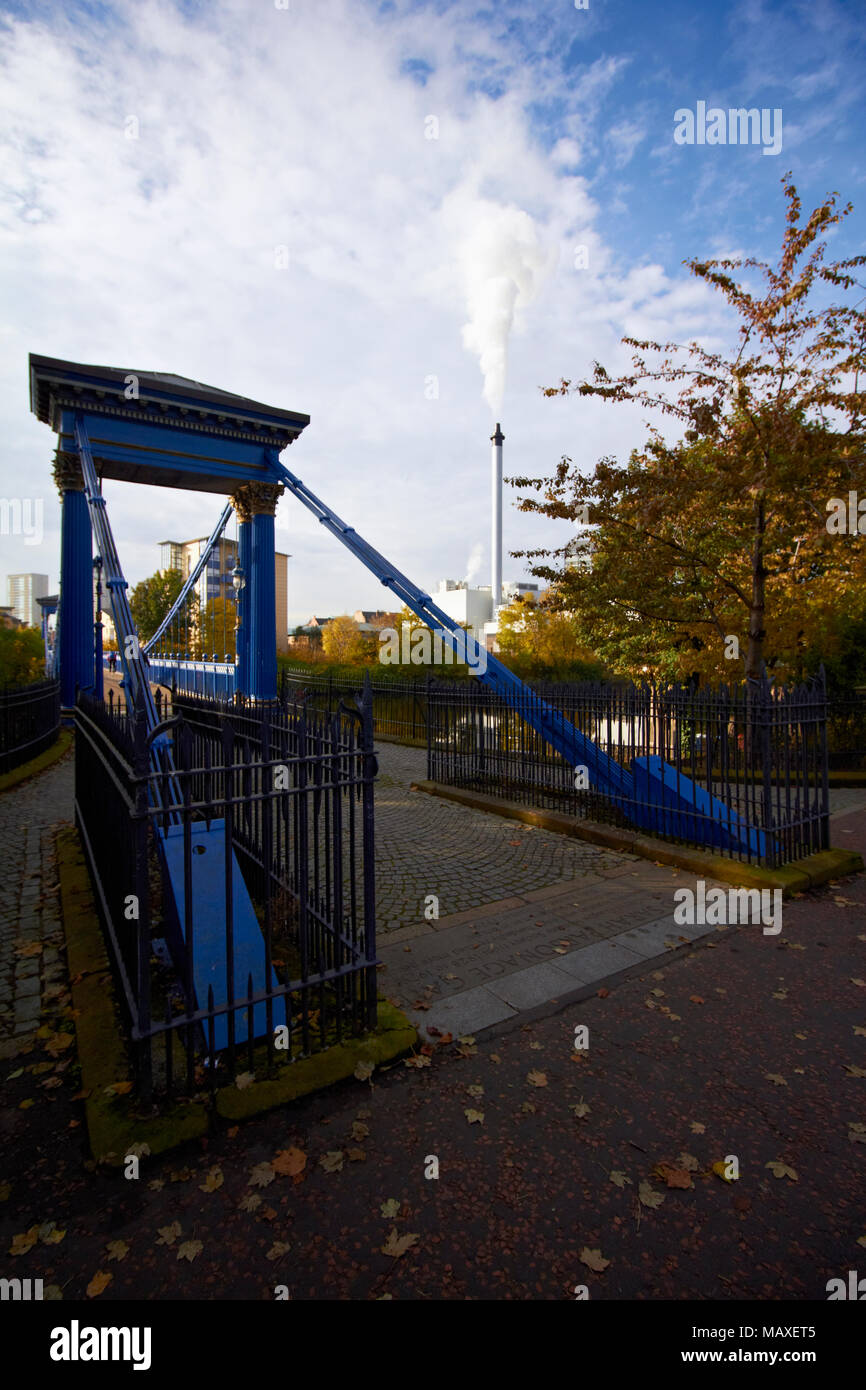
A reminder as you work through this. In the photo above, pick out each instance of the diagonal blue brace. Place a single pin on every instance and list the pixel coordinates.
(676, 805)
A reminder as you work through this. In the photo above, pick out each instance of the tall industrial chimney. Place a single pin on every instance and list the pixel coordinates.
(496, 526)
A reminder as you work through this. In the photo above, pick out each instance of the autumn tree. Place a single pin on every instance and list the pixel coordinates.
(152, 598)
(342, 643)
(537, 640)
(726, 533)
(22, 657)
(215, 630)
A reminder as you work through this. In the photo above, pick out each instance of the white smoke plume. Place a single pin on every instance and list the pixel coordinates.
(502, 264)
(473, 564)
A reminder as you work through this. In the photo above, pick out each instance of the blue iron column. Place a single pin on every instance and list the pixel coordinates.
(240, 502)
(75, 613)
(263, 499)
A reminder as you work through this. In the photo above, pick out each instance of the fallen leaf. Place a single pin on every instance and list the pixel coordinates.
(475, 1091)
(475, 1117)
(169, 1234)
(279, 1247)
(356, 1155)
(213, 1181)
(688, 1161)
(359, 1130)
(364, 1070)
(390, 1208)
(775, 1078)
(261, 1176)
(117, 1249)
(673, 1176)
(536, 1078)
(581, 1110)
(854, 1071)
(24, 1241)
(721, 1170)
(98, 1284)
(619, 1179)
(696, 1127)
(781, 1170)
(249, 1202)
(189, 1250)
(398, 1245)
(648, 1196)
(245, 1079)
(289, 1162)
(332, 1161)
(593, 1259)
(416, 1061)
(49, 1234)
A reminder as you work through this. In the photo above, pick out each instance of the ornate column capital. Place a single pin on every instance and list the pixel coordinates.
(256, 499)
(67, 472)
(241, 503)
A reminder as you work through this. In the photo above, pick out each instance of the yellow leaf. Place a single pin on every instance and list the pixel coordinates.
(117, 1249)
(536, 1078)
(189, 1250)
(24, 1242)
(98, 1283)
(475, 1117)
(213, 1181)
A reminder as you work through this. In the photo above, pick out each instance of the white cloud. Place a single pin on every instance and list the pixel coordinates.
(260, 128)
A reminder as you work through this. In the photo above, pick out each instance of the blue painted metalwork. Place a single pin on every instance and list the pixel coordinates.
(75, 620)
(665, 791)
(262, 610)
(194, 576)
(215, 678)
(245, 553)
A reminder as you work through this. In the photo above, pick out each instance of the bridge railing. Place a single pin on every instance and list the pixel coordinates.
(29, 722)
(761, 750)
(291, 793)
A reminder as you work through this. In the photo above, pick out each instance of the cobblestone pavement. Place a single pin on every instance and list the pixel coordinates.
(31, 938)
(466, 858)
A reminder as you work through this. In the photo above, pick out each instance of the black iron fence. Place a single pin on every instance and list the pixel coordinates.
(846, 733)
(29, 722)
(399, 707)
(761, 750)
(235, 880)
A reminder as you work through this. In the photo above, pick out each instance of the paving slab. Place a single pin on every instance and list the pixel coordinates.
(471, 1011)
(526, 989)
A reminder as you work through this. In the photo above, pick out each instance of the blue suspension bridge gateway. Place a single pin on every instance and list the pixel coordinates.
(169, 431)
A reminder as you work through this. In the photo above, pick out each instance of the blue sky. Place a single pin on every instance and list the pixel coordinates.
(308, 128)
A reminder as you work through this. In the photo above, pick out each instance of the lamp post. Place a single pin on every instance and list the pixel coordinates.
(239, 583)
(98, 676)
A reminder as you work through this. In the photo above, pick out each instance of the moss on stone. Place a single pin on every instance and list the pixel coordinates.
(59, 747)
(394, 1036)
